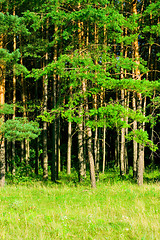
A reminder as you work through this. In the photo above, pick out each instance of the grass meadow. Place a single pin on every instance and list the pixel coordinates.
(115, 210)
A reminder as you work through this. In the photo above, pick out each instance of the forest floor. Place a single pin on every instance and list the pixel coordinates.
(115, 210)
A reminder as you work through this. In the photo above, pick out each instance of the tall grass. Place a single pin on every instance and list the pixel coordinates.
(115, 210)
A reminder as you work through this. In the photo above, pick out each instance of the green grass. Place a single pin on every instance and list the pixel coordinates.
(115, 210)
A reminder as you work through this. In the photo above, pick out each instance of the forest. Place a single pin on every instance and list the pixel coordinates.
(79, 88)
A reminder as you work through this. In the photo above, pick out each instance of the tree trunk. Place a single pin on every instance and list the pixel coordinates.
(90, 152)
(2, 163)
(80, 146)
(14, 102)
(69, 148)
(58, 145)
(90, 156)
(140, 161)
(127, 95)
(54, 165)
(45, 154)
(45, 99)
(122, 154)
(2, 101)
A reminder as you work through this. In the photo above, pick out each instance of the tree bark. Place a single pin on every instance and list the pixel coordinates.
(45, 99)
(91, 159)
(80, 145)
(69, 148)
(90, 152)
(2, 101)
(140, 161)
(54, 165)
(14, 103)
(122, 154)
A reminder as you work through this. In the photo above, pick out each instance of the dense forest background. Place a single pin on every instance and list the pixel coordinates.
(87, 73)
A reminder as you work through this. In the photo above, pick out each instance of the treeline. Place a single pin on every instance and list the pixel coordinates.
(88, 73)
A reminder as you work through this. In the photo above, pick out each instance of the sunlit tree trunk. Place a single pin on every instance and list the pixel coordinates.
(45, 154)
(69, 148)
(58, 132)
(122, 153)
(69, 145)
(24, 105)
(90, 152)
(117, 143)
(103, 135)
(14, 103)
(127, 98)
(134, 142)
(152, 138)
(95, 101)
(45, 99)
(80, 124)
(140, 160)
(80, 145)
(54, 165)
(150, 66)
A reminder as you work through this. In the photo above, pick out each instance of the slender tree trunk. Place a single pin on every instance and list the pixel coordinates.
(152, 139)
(103, 102)
(140, 161)
(58, 145)
(25, 149)
(23, 101)
(127, 95)
(45, 99)
(90, 156)
(14, 102)
(37, 157)
(135, 152)
(95, 100)
(127, 98)
(69, 148)
(37, 139)
(80, 125)
(117, 143)
(98, 155)
(80, 145)
(54, 165)
(122, 154)
(90, 153)
(2, 141)
(45, 154)
(2, 160)
(96, 150)
(104, 149)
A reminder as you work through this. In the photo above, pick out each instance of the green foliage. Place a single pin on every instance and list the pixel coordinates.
(141, 136)
(19, 129)
(57, 39)
(6, 109)
(10, 60)
(11, 25)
